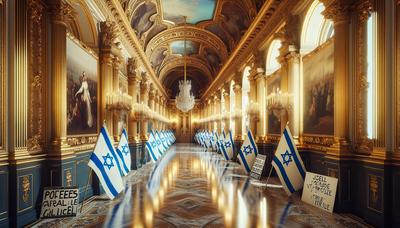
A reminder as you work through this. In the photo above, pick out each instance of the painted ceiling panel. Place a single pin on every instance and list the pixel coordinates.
(214, 29)
(177, 47)
(195, 10)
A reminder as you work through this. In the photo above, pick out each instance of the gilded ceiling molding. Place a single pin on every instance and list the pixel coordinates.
(271, 16)
(191, 33)
(191, 61)
(114, 9)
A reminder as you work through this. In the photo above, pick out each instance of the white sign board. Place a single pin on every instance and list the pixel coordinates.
(320, 191)
(60, 202)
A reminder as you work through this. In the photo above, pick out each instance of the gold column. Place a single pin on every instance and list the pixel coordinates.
(293, 62)
(237, 88)
(152, 96)
(116, 113)
(217, 105)
(338, 12)
(108, 34)
(261, 100)
(133, 90)
(61, 13)
(227, 101)
(18, 80)
(144, 99)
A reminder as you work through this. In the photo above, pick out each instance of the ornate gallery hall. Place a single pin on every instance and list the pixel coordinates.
(200, 113)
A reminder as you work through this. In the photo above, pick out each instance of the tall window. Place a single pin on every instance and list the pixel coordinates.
(273, 53)
(371, 72)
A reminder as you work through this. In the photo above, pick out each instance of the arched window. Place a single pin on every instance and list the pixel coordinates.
(245, 98)
(273, 53)
(316, 29)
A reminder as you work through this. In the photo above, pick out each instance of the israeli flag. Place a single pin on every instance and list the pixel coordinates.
(167, 138)
(248, 152)
(124, 153)
(216, 140)
(229, 146)
(222, 146)
(105, 163)
(163, 143)
(288, 164)
(158, 147)
(151, 147)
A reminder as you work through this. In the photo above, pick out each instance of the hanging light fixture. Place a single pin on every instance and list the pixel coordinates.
(185, 99)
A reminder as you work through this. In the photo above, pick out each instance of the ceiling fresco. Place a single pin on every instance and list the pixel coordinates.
(213, 29)
(178, 47)
(195, 10)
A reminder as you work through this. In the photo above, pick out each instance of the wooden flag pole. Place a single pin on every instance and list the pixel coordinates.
(269, 175)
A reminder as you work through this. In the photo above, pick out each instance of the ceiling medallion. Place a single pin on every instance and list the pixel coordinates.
(185, 99)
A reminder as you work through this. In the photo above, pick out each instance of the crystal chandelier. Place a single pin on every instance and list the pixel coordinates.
(185, 99)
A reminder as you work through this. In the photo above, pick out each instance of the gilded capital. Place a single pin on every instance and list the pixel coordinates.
(108, 31)
(62, 12)
(337, 11)
(364, 9)
(132, 65)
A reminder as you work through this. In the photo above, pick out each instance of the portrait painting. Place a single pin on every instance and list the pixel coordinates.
(318, 90)
(82, 82)
(274, 122)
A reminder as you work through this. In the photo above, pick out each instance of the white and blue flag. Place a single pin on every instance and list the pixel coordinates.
(288, 164)
(124, 153)
(163, 142)
(105, 163)
(152, 148)
(229, 145)
(248, 152)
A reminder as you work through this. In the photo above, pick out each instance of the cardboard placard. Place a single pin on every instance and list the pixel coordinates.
(59, 202)
(258, 166)
(320, 191)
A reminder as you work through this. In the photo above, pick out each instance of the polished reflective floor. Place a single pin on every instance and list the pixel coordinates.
(193, 188)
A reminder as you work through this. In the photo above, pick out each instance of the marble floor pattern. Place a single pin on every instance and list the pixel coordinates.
(193, 188)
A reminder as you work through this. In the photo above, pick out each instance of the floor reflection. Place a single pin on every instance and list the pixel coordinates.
(193, 188)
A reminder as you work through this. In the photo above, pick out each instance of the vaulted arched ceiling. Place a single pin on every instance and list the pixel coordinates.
(213, 29)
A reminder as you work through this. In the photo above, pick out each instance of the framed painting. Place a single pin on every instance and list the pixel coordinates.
(82, 94)
(318, 90)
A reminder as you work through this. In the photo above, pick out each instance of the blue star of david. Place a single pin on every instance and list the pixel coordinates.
(287, 158)
(153, 144)
(248, 149)
(125, 149)
(228, 144)
(108, 161)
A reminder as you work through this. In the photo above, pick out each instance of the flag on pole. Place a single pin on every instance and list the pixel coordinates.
(157, 140)
(124, 153)
(229, 145)
(222, 145)
(105, 163)
(288, 164)
(248, 152)
(151, 147)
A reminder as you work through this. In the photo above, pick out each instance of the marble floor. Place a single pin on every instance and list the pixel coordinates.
(193, 188)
